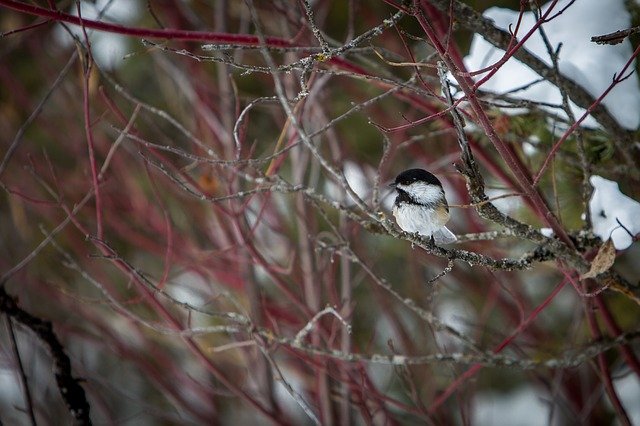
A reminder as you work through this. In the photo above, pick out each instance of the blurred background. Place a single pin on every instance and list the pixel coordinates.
(201, 254)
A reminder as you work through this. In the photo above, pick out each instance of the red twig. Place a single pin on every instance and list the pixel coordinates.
(605, 373)
(614, 330)
(172, 322)
(506, 342)
(521, 174)
(511, 51)
(168, 34)
(87, 128)
(617, 78)
(168, 256)
(25, 28)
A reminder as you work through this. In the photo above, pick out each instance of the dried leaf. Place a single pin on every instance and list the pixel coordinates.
(603, 260)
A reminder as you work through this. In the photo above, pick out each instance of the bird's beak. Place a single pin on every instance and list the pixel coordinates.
(392, 185)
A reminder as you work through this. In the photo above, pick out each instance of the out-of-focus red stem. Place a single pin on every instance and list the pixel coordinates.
(521, 174)
(512, 50)
(162, 371)
(605, 374)
(619, 77)
(30, 199)
(175, 324)
(168, 34)
(477, 367)
(89, 134)
(443, 29)
(615, 331)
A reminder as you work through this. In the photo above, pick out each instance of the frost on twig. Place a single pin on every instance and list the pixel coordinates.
(329, 310)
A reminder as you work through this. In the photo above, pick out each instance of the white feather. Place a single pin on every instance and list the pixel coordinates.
(416, 218)
(420, 218)
(422, 192)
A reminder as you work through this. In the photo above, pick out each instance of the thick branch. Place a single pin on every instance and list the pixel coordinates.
(69, 386)
(474, 21)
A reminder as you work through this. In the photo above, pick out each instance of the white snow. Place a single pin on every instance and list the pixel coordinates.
(628, 389)
(530, 146)
(457, 314)
(359, 179)
(11, 395)
(107, 49)
(587, 63)
(521, 407)
(187, 288)
(547, 232)
(508, 205)
(607, 206)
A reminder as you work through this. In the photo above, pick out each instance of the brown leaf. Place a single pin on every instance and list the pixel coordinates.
(603, 260)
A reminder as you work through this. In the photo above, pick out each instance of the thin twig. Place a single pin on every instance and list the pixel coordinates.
(22, 374)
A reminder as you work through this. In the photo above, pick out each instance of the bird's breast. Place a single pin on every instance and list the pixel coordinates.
(418, 218)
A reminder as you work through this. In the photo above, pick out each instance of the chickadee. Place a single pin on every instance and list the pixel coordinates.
(421, 205)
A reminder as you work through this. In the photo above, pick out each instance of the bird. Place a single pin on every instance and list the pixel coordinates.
(420, 206)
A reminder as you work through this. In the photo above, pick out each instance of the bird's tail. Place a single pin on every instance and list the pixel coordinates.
(444, 236)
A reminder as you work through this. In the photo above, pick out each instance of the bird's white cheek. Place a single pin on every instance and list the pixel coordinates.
(423, 193)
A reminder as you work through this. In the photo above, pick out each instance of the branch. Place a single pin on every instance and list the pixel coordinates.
(568, 359)
(23, 375)
(549, 248)
(474, 21)
(615, 37)
(69, 386)
(167, 34)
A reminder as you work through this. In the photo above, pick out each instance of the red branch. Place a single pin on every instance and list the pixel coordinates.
(88, 131)
(506, 342)
(605, 372)
(521, 174)
(168, 34)
(617, 78)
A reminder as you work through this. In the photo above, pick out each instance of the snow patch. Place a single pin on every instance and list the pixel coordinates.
(107, 49)
(590, 65)
(522, 407)
(508, 205)
(612, 211)
(359, 179)
(628, 389)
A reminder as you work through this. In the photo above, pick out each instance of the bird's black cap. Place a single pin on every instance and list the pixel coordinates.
(416, 175)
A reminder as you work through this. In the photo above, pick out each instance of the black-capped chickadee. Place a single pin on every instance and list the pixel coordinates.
(421, 205)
